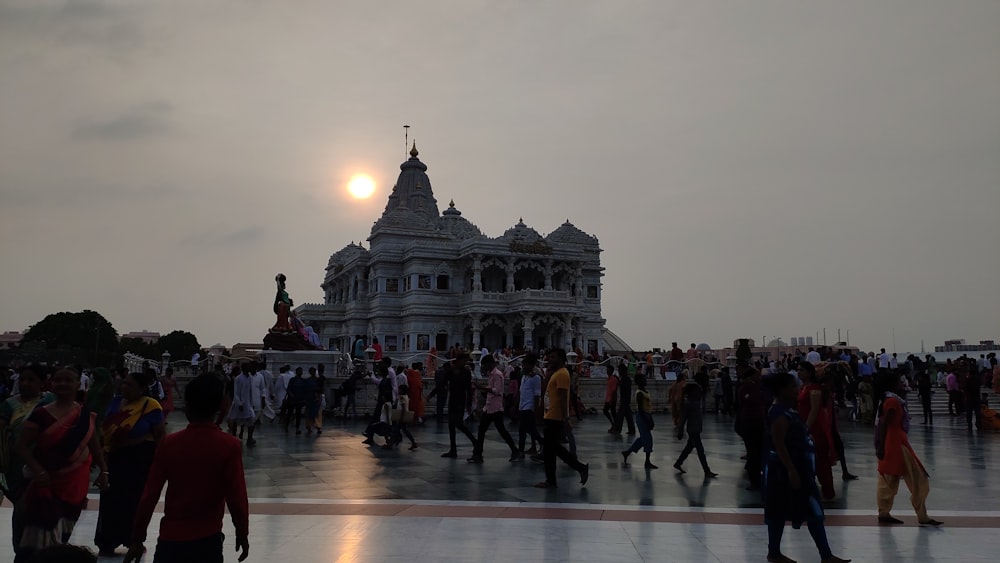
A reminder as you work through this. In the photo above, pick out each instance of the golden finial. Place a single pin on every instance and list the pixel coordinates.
(413, 151)
(452, 204)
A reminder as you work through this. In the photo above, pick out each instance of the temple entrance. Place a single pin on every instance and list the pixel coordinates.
(517, 339)
(441, 342)
(493, 337)
(547, 335)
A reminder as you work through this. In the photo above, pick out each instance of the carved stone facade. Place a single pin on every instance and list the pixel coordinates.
(431, 279)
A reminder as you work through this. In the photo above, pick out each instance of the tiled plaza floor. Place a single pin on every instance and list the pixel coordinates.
(333, 499)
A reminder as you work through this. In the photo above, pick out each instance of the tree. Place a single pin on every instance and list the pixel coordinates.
(86, 331)
(181, 345)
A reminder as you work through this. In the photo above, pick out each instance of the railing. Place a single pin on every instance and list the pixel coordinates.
(522, 294)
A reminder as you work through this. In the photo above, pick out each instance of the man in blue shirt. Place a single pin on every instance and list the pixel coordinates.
(530, 394)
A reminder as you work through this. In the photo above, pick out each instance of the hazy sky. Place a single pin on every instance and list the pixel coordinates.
(752, 168)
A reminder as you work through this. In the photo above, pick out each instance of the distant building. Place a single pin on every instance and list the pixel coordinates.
(146, 336)
(778, 348)
(433, 279)
(10, 339)
(959, 345)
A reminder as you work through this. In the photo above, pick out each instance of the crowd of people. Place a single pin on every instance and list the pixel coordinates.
(56, 443)
(63, 430)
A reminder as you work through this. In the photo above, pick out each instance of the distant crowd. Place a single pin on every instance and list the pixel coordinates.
(64, 429)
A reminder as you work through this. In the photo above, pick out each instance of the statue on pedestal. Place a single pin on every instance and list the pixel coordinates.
(288, 332)
(282, 307)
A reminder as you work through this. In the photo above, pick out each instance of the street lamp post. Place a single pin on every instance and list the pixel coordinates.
(164, 362)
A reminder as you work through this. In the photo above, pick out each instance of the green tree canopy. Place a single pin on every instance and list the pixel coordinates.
(86, 331)
(181, 345)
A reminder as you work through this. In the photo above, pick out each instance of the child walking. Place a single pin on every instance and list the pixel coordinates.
(202, 468)
(643, 420)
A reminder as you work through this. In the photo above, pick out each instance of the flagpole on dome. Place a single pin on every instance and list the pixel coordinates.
(406, 140)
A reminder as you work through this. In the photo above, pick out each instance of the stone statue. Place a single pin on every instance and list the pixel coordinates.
(282, 307)
(288, 332)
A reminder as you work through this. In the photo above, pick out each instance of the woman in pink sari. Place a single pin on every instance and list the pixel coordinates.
(58, 444)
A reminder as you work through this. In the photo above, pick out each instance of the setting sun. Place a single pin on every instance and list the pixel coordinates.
(361, 186)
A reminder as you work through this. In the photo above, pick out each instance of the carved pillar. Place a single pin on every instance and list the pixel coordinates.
(508, 339)
(510, 276)
(528, 327)
(548, 275)
(569, 333)
(476, 330)
(579, 282)
(477, 274)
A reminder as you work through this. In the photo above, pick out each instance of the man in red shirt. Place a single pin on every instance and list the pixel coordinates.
(611, 398)
(676, 354)
(204, 468)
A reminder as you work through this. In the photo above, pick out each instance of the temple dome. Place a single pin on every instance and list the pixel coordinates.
(346, 255)
(522, 233)
(568, 233)
(411, 204)
(458, 227)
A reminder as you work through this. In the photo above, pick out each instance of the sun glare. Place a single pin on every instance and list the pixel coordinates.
(361, 186)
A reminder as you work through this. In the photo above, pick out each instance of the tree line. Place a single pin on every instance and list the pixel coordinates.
(88, 338)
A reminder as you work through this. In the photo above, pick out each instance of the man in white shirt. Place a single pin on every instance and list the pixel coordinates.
(261, 386)
(893, 361)
(81, 394)
(281, 385)
(813, 356)
(883, 360)
(393, 378)
(401, 380)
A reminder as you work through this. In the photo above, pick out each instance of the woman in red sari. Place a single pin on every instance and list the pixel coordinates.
(415, 384)
(812, 409)
(58, 444)
(169, 383)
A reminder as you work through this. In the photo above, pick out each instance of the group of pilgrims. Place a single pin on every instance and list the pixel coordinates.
(59, 423)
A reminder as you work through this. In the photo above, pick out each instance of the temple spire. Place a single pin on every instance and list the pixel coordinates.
(413, 151)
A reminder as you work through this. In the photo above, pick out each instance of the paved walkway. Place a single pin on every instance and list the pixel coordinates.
(333, 499)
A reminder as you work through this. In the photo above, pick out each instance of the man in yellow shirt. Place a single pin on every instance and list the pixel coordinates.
(557, 421)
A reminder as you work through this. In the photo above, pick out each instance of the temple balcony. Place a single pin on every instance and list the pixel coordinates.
(525, 300)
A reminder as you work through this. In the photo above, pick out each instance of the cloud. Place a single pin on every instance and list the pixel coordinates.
(78, 194)
(239, 237)
(111, 29)
(139, 122)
